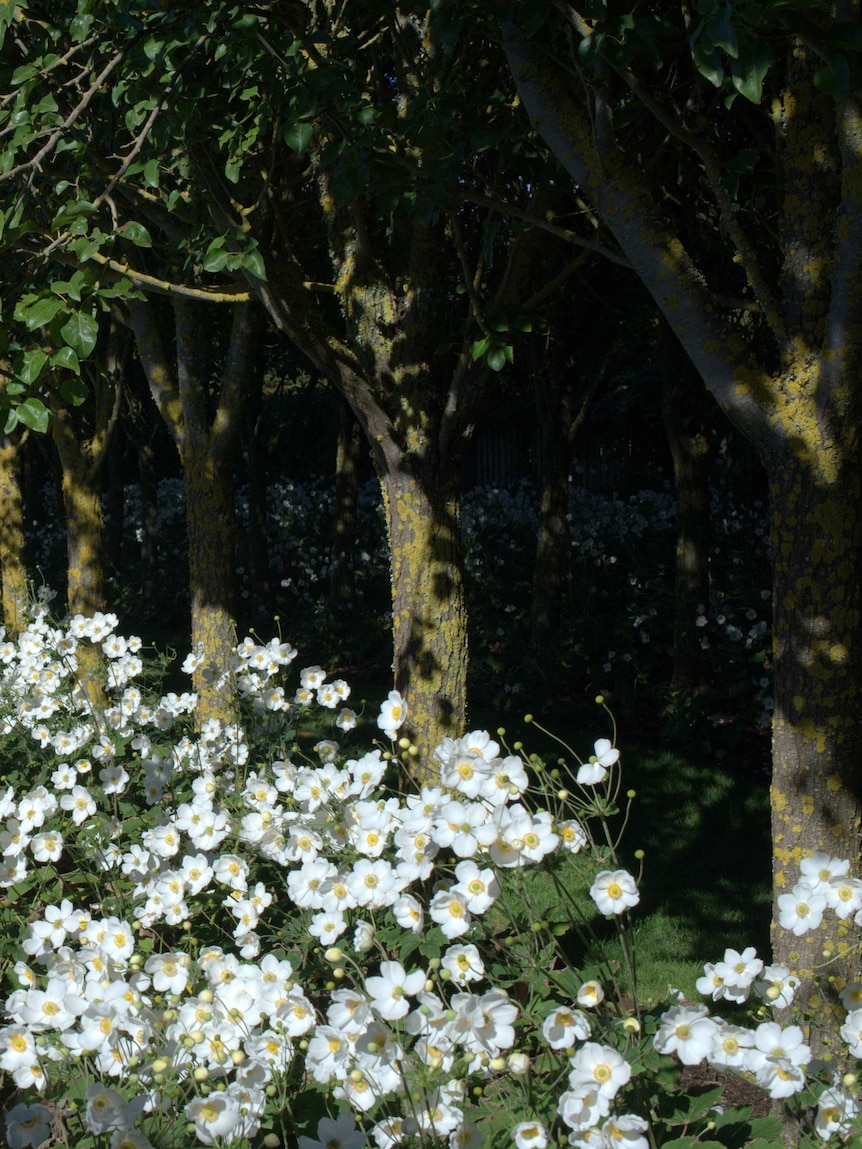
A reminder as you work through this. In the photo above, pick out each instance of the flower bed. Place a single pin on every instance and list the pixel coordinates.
(217, 938)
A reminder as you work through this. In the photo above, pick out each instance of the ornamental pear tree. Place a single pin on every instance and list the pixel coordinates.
(722, 150)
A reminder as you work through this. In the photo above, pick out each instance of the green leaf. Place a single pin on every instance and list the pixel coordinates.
(34, 414)
(150, 174)
(80, 332)
(690, 1108)
(253, 261)
(298, 137)
(77, 209)
(480, 348)
(80, 26)
(748, 71)
(31, 365)
(39, 313)
(24, 73)
(768, 1129)
(136, 233)
(216, 257)
(721, 32)
(497, 358)
(11, 421)
(73, 390)
(65, 357)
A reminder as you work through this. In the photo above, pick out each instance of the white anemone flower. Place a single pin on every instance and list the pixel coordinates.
(687, 1031)
(614, 891)
(529, 1135)
(389, 992)
(802, 909)
(594, 771)
(601, 1067)
(562, 1028)
(393, 714)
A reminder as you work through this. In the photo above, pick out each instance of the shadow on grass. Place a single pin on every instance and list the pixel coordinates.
(708, 857)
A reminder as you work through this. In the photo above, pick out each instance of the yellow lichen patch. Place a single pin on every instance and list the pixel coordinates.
(807, 805)
(833, 782)
(798, 703)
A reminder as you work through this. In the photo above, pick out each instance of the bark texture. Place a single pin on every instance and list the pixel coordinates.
(12, 540)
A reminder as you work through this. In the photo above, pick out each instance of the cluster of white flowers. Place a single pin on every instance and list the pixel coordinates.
(169, 979)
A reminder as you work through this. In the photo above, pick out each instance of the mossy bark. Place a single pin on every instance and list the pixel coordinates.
(817, 739)
(429, 615)
(12, 538)
(80, 460)
(211, 525)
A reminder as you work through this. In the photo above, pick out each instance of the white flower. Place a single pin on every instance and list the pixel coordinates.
(340, 1133)
(530, 1135)
(614, 891)
(448, 910)
(562, 1028)
(393, 714)
(216, 1115)
(687, 1031)
(590, 994)
(389, 991)
(835, 1110)
(28, 1125)
(464, 963)
(594, 771)
(479, 888)
(851, 1031)
(802, 909)
(600, 1067)
(777, 986)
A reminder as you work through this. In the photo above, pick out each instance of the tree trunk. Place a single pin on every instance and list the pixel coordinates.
(82, 503)
(85, 577)
(429, 615)
(12, 539)
(341, 580)
(691, 451)
(817, 739)
(211, 525)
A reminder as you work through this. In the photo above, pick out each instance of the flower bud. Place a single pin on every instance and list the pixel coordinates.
(160, 1065)
(201, 1073)
(334, 955)
(498, 1064)
(206, 995)
(518, 1063)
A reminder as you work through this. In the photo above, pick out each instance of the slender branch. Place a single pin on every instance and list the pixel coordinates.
(79, 108)
(165, 287)
(545, 225)
(467, 275)
(58, 63)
